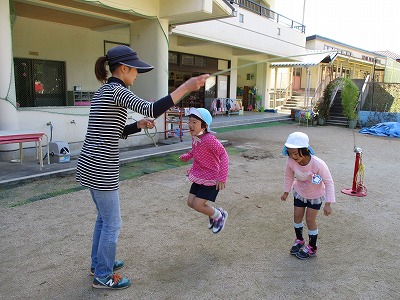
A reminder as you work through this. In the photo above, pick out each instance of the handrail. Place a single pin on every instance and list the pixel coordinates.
(335, 90)
(363, 94)
(319, 90)
(270, 14)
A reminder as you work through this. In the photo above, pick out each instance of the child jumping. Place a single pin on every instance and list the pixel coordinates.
(209, 169)
(312, 184)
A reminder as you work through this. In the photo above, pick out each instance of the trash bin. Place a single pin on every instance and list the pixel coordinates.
(59, 152)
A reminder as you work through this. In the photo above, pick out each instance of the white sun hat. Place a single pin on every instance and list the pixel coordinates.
(297, 140)
(204, 115)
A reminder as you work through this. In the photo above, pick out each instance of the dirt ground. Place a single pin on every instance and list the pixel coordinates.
(170, 254)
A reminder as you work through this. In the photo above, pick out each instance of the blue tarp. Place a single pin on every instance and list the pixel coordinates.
(390, 129)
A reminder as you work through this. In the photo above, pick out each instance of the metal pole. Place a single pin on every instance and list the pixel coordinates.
(354, 191)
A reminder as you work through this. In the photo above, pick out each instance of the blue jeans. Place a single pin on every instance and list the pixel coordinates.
(106, 230)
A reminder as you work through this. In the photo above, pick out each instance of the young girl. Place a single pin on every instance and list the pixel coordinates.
(312, 184)
(98, 164)
(209, 169)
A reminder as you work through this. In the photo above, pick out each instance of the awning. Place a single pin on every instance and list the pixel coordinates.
(309, 59)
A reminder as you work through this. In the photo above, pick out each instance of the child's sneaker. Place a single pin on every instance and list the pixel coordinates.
(297, 245)
(118, 264)
(306, 252)
(220, 223)
(210, 223)
(113, 281)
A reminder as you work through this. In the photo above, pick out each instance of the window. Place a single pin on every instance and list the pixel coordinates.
(173, 58)
(241, 18)
(39, 82)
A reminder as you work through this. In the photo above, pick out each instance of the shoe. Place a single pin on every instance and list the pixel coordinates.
(220, 223)
(297, 245)
(113, 281)
(118, 264)
(210, 223)
(306, 252)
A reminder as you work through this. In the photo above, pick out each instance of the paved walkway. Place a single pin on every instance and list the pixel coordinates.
(11, 172)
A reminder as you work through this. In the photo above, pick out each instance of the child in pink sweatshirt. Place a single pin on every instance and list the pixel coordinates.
(312, 184)
(209, 170)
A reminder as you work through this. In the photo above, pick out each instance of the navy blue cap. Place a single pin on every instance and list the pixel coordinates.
(124, 55)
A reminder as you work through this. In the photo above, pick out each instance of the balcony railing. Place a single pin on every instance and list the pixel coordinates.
(270, 14)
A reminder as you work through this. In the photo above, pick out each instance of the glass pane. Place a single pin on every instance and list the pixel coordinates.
(48, 77)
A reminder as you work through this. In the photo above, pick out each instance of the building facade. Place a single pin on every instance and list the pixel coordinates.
(253, 53)
(50, 47)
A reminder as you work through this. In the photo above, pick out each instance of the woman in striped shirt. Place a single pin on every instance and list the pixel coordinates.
(98, 163)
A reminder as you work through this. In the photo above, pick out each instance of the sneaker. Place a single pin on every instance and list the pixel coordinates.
(118, 264)
(306, 252)
(297, 245)
(113, 281)
(220, 223)
(210, 223)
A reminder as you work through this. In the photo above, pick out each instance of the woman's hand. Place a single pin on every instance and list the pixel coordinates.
(195, 83)
(146, 123)
(191, 85)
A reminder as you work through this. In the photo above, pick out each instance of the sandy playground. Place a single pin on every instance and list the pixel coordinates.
(170, 254)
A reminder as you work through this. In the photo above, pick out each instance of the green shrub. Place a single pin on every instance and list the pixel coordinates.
(349, 99)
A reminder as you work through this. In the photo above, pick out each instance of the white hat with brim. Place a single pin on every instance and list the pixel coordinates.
(202, 114)
(297, 140)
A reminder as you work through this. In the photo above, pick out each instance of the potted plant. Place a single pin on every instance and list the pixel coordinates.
(349, 101)
(322, 107)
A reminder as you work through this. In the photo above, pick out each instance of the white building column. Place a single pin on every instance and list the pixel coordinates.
(149, 38)
(8, 111)
(268, 71)
(262, 83)
(233, 78)
(290, 83)
(275, 87)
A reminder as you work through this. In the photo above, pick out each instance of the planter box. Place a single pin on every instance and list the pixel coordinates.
(321, 121)
(293, 113)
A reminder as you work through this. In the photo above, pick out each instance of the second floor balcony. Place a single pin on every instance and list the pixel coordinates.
(268, 13)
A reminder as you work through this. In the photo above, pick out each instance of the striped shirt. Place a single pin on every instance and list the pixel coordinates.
(98, 163)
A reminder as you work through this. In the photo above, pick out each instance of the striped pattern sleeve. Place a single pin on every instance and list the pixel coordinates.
(98, 163)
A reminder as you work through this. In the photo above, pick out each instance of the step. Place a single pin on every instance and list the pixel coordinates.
(336, 123)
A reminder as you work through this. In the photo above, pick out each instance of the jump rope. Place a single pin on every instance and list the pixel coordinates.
(151, 135)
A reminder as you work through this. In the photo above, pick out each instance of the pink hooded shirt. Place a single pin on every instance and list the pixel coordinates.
(210, 160)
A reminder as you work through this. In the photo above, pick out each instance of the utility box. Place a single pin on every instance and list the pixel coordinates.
(59, 152)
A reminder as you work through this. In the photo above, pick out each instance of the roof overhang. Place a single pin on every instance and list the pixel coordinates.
(113, 14)
(308, 59)
(85, 14)
(180, 12)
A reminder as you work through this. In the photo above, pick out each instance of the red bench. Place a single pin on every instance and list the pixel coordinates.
(22, 136)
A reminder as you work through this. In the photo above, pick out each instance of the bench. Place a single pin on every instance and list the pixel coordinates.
(22, 136)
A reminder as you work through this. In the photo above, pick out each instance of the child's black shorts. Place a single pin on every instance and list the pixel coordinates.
(299, 203)
(204, 192)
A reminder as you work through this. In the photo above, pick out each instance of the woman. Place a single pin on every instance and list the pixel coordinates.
(98, 164)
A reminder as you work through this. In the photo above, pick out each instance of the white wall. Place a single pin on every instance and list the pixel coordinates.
(79, 48)
(256, 33)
